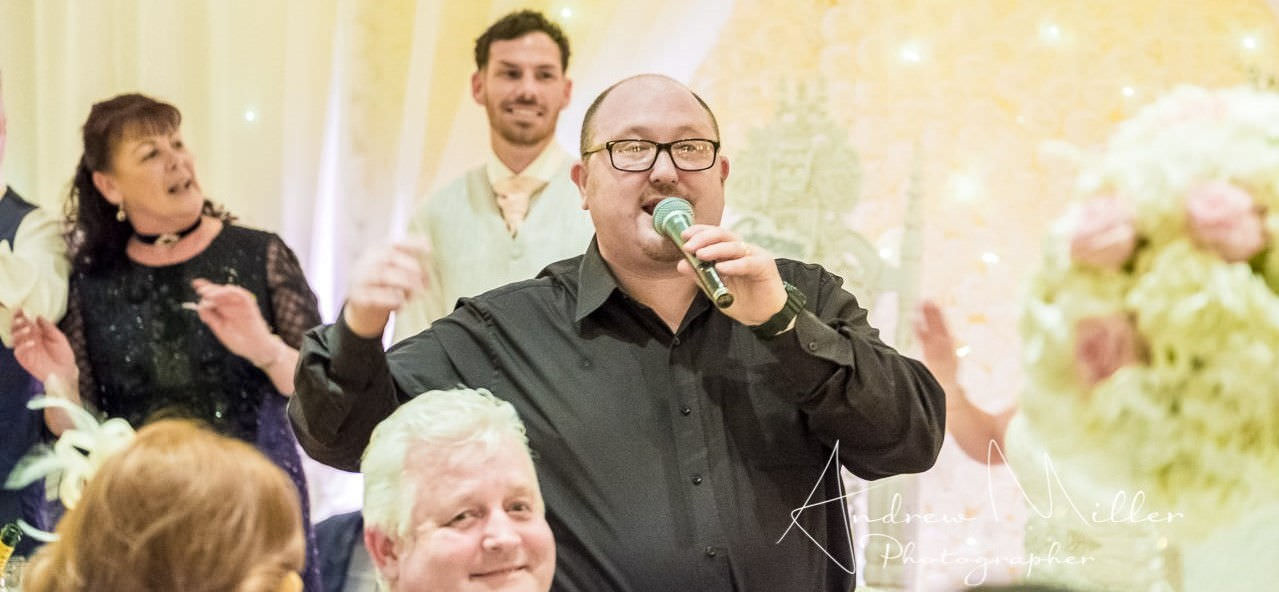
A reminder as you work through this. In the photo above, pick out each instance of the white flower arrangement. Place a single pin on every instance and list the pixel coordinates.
(1151, 334)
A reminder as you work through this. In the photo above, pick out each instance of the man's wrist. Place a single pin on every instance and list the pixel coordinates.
(785, 318)
(368, 326)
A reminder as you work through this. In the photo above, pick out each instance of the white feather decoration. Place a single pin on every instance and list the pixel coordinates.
(69, 463)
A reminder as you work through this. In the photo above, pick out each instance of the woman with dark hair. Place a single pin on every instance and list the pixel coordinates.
(173, 309)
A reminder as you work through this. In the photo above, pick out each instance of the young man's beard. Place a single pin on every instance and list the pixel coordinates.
(520, 135)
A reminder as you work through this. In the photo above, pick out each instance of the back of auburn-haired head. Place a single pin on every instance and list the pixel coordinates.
(180, 508)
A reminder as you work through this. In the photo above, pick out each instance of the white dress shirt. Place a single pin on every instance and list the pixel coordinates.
(33, 271)
(472, 249)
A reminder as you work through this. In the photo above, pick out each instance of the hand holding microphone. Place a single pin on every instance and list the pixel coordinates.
(743, 282)
(671, 218)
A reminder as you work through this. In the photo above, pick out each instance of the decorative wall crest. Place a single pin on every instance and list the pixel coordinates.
(793, 184)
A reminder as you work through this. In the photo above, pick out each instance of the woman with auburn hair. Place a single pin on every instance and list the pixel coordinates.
(178, 508)
(173, 310)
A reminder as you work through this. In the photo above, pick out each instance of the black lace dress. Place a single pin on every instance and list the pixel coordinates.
(142, 355)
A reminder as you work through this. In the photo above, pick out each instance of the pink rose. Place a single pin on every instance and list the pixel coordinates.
(1225, 220)
(1103, 234)
(1103, 345)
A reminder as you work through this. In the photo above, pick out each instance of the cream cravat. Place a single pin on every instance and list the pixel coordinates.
(513, 196)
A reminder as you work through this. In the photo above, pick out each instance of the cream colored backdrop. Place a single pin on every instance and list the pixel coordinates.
(971, 104)
(325, 120)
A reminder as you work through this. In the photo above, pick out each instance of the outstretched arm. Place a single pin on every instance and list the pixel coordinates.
(343, 383)
(973, 428)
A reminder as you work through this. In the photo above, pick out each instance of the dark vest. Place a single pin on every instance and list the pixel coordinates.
(20, 427)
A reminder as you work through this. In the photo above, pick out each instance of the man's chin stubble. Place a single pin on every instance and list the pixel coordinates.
(667, 253)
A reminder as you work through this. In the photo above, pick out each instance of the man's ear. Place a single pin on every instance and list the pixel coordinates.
(578, 174)
(108, 188)
(723, 168)
(568, 93)
(477, 86)
(383, 553)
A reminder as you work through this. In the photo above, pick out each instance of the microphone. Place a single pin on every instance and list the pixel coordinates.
(671, 218)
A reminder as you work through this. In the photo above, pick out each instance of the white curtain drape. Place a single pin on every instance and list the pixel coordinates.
(322, 120)
(250, 78)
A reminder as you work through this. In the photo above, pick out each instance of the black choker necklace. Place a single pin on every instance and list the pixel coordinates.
(167, 238)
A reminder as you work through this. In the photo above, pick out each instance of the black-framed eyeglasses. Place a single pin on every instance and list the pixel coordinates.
(693, 154)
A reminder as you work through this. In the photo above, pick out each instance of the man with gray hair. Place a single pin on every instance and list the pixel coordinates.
(451, 499)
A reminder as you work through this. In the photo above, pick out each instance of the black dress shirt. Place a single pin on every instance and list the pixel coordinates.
(668, 461)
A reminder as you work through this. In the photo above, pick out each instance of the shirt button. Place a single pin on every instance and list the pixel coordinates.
(697, 479)
(812, 346)
(685, 410)
(675, 341)
(711, 552)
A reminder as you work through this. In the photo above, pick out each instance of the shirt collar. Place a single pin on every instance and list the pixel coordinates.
(545, 166)
(595, 282)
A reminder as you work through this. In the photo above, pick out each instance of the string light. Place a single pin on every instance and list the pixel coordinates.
(1129, 91)
(966, 187)
(1050, 33)
(250, 115)
(566, 13)
(963, 351)
(911, 53)
(1250, 42)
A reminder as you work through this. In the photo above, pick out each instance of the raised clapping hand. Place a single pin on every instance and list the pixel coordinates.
(974, 428)
(43, 350)
(748, 271)
(232, 313)
(937, 344)
(384, 279)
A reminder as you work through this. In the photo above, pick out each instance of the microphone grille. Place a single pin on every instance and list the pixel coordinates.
(669, 207)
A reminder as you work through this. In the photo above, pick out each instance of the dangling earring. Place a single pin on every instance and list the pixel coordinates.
(119, 214)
